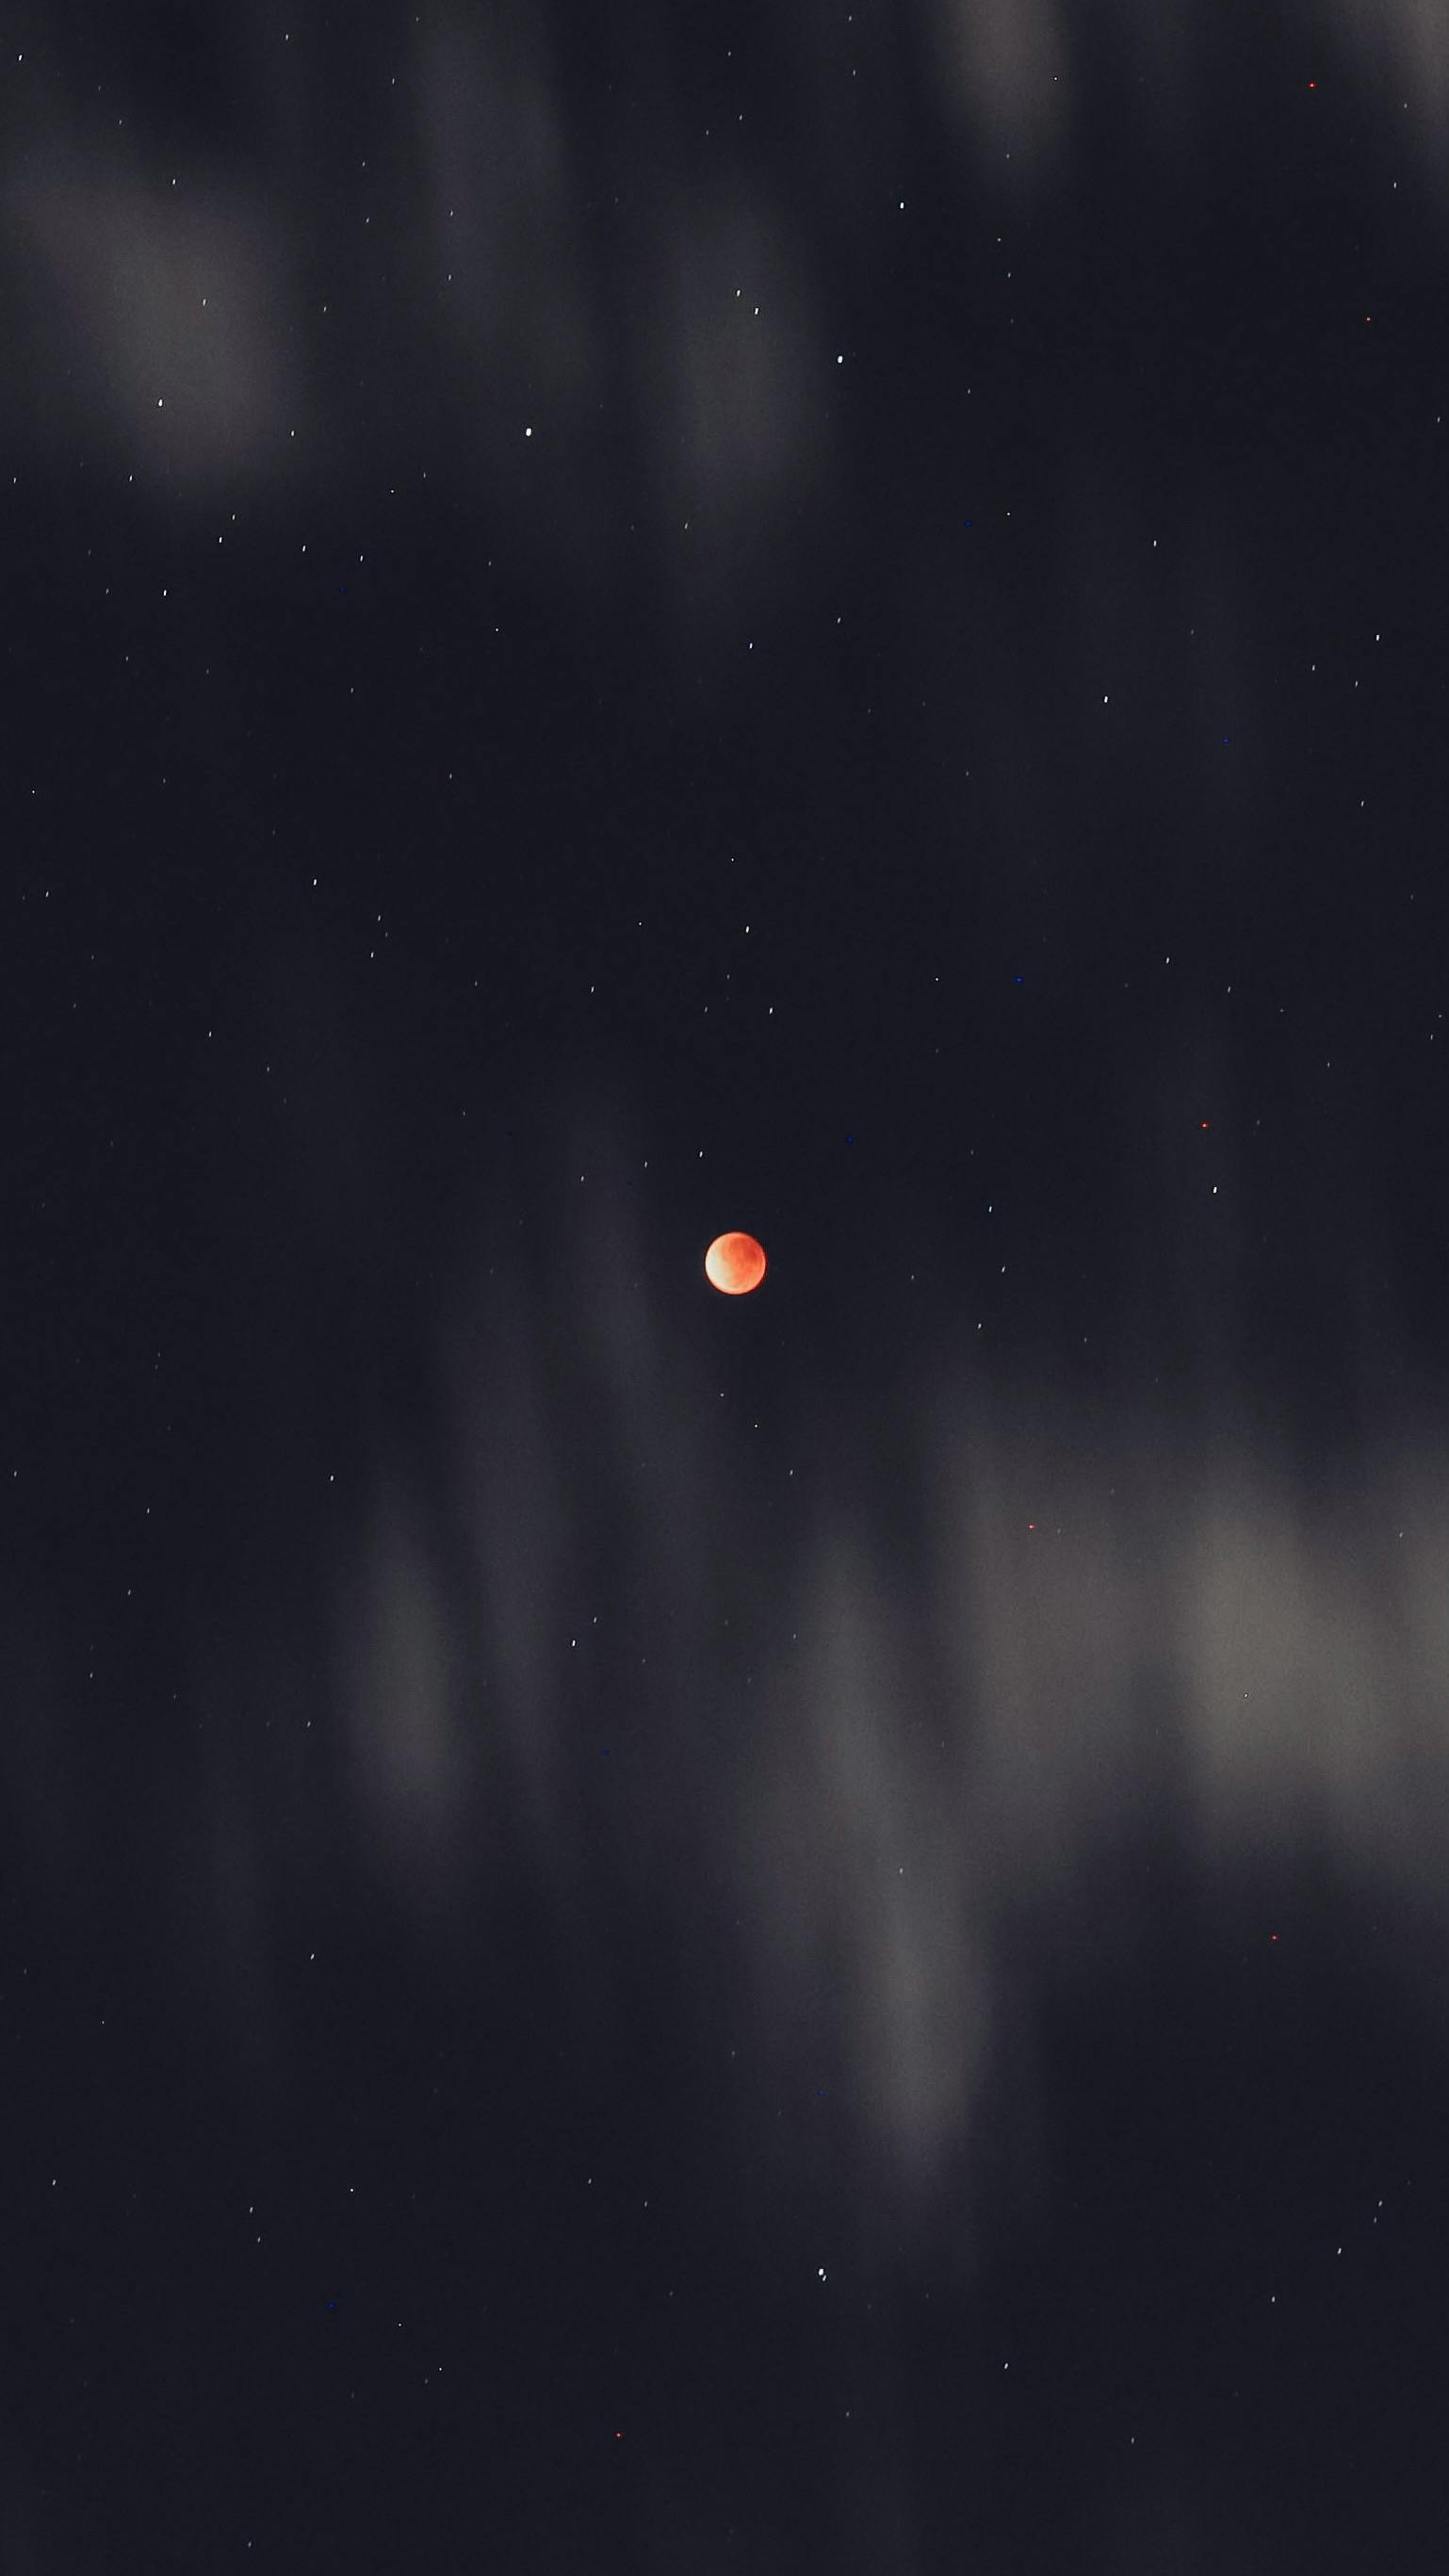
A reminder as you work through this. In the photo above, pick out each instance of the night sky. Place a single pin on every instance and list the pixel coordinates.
(661, 1932)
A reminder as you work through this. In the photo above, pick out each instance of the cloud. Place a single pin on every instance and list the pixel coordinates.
(161, 316)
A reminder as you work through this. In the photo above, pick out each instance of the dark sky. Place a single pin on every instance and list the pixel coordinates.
(638, 1930)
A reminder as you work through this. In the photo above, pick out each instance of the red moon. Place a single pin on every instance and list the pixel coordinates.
(734, 1264)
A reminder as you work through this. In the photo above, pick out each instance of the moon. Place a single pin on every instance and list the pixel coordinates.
(734, 1264)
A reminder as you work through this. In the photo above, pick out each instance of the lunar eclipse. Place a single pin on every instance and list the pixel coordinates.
(734, 1264)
